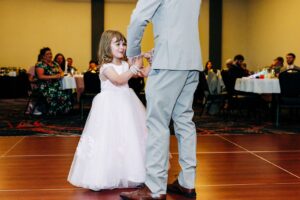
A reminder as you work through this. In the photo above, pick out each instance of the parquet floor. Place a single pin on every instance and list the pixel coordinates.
(230, 167)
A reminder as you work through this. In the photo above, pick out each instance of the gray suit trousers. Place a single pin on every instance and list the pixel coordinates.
(169, 94)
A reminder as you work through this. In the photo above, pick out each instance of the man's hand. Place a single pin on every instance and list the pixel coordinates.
(149, 55)
(137, 61)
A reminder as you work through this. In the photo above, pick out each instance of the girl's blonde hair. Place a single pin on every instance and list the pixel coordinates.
(104, 52)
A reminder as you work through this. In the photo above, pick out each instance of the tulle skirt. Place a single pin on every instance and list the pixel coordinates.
(111, 150)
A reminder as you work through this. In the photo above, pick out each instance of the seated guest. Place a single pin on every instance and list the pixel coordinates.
(237, 70)
(49, 75)
(208, 66)
(290, 59)
(71, 68)
(277, 65)
(228, 64)
(214, 81)
(60, 60)
(93, 66)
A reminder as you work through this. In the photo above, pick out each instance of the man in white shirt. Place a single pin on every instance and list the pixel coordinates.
(290, 58)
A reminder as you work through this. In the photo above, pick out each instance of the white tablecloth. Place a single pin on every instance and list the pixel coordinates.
(259, 86)
(68, 82)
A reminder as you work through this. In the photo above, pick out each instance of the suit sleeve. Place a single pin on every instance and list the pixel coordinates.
(141, 16)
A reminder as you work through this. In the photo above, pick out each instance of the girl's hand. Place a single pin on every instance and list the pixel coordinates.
(144, 71)
(138, 62)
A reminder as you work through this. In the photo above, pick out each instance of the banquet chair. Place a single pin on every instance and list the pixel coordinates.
(238, 101)
(35, 99)
(290, 91)
(211, 99)
(91, 88)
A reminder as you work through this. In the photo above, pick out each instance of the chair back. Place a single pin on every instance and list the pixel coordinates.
(202, 88)
(290, 83)
(91, 82)
(229, 82)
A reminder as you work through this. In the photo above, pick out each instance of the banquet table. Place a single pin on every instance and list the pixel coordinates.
(266, 87)
(259, 86)
(68, 82)
(73, 82)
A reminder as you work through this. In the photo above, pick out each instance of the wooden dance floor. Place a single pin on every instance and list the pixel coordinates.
(230, 167)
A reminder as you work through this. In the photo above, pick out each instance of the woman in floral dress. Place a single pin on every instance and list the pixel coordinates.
(49, 76)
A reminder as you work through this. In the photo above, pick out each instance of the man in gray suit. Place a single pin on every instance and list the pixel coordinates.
(170, 87)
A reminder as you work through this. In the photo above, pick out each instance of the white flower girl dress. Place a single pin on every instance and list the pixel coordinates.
(111, 150)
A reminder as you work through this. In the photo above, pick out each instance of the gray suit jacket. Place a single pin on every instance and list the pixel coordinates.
(176, 33)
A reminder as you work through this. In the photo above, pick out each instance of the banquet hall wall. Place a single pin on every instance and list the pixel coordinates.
(259, 29)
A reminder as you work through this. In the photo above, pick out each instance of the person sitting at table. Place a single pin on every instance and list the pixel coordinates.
(59, 58)
(71, 69)
(276, 65)
(49, 76)
(208, 66)
(93, 66)
(228, 64)
(237, 70)
(290, 59)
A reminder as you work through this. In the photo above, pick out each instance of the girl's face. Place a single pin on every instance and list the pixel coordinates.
(118, 48)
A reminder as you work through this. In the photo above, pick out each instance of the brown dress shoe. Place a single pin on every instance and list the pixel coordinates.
(178, 189)
(141, 194)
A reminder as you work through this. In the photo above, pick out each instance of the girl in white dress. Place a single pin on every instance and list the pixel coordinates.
(111, 150)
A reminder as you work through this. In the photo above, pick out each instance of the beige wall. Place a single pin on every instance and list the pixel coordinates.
(274, 29)
(27, 26)
(234, 36)
(261, 30)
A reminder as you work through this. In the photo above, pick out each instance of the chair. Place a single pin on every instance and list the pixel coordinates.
(210, 98)
(91, 88)
(290, 91)
(238, 100)
(35, 99)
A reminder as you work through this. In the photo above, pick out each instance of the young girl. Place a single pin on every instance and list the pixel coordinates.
(111, 150)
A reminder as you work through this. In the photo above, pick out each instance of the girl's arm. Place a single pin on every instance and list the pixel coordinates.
(145, 71)
(120, 79)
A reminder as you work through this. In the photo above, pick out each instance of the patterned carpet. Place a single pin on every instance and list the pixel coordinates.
(13, 122)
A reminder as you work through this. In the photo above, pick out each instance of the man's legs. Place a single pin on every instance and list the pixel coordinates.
(162, 91)
(185, 131)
